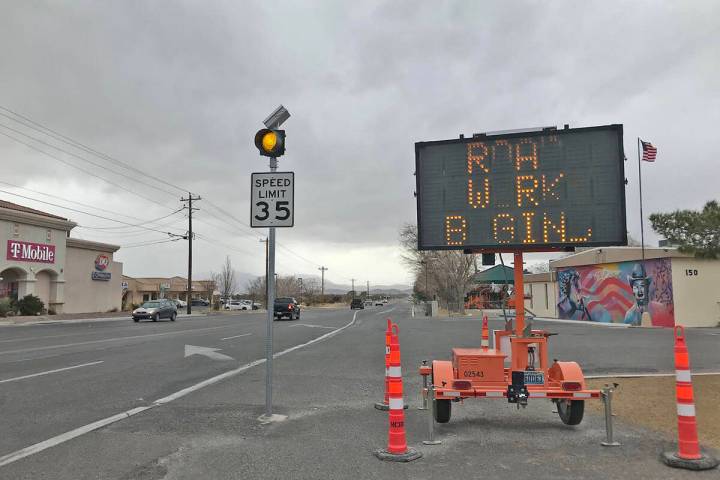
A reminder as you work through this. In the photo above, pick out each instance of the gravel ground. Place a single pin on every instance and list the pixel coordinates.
(650, 402)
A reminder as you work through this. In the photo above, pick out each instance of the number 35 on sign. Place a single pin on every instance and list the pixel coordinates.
(272, 199)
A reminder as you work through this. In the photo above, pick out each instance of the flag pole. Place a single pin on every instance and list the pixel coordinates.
(642, 229)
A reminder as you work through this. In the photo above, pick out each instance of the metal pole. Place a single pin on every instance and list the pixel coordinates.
(642, 227)
(424, 394)
(607, 394)
(270, 311)
(431, 420)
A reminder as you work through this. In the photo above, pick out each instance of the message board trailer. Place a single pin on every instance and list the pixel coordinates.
(525, 191)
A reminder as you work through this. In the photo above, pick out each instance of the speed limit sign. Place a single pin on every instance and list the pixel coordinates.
(272, 199)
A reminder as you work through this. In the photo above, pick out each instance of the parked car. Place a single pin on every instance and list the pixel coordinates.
(379, 303)
(238, 305)
(155, 310)
(286, 307)
(368, 303)
(180, 303)
(199, 302)
(357, 303)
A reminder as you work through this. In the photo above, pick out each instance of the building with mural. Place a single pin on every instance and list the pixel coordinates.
(69, 275)
(614, 285)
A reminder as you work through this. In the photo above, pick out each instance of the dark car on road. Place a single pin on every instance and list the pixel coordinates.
(155, 310)
(199, 302)
(286, 307)
(357, 303)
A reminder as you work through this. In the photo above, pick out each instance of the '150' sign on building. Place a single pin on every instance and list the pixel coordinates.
(531, 190)
(30, 252)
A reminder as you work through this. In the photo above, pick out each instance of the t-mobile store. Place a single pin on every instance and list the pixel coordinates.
(68, 274)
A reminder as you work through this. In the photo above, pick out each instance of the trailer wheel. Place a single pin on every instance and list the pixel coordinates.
(571, 411)
(442, 410)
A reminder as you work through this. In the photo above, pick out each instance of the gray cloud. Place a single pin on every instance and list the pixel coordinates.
(177, 89)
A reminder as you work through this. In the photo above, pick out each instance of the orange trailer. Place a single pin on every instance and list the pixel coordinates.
(481, 372)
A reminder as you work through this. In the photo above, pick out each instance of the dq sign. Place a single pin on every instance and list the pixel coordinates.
(101, 263)
(30, 252)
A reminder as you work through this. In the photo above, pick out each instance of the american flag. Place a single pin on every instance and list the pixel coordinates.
(649, 152)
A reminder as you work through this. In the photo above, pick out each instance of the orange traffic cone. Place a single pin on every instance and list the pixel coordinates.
(688, 455)
(388, 335)
(485, 342)
(397, 450)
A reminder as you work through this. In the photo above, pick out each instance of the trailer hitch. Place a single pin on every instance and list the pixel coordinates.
(517, 391)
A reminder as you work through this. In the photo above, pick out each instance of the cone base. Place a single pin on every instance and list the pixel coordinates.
(385, 406)
(408, 456)
(706, 462)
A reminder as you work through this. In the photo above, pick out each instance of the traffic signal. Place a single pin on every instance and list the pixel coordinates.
(270, 143)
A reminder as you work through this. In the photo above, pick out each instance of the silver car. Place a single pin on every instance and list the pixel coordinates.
(155, 310)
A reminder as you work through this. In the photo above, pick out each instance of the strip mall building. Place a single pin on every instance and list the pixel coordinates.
(68, 274)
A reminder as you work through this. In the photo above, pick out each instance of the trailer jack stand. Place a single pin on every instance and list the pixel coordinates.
(517, 391)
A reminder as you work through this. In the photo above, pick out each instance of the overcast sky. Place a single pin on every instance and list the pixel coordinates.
(178, 89)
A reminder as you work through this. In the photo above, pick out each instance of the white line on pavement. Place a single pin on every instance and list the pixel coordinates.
(64, 437)
(644, 375)
(48, 372)
(385, 311)
(105, 340)
(236, 336)
(311, 326)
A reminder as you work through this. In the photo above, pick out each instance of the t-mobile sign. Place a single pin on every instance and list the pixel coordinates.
(30, 252)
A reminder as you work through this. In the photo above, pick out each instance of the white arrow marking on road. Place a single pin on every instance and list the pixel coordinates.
(312, 326)
(206, 351)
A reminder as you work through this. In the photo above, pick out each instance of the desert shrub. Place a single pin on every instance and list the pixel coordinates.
(30, 305)
(6, 306)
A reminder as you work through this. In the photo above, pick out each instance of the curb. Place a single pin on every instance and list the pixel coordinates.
(86, 320)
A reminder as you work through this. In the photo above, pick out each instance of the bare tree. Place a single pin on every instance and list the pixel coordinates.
(446, 274)
(226, 281)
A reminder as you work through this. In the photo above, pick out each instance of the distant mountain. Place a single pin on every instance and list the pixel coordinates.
(243, 278)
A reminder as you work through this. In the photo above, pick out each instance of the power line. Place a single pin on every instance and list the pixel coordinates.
(80, 211)
(83, 170)
(136, 225)
(43, 142)
(145, 244)
(64, 138)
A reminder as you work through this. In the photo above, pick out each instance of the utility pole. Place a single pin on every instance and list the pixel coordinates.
(368, 289)
(353, 287)
(190, 210)
(322, 280)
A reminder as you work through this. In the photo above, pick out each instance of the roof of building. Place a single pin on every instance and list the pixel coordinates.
(91, 245)
(602, 255)
(538, 277)
(21, 208)
(494, 275)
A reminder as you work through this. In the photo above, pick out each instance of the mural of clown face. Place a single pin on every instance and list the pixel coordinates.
(640, 285)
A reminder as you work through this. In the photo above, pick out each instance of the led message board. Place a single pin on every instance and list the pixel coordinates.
(546, 189)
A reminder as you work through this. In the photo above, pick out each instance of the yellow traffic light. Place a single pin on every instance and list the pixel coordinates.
(270, 143)
(269, 140)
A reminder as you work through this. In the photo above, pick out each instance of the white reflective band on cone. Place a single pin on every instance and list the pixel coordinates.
(494, 394)
(387, 372)
(396, 404)
(581, 395)
(685, 410)
(387, 350)
(683, 376)
(395, 372)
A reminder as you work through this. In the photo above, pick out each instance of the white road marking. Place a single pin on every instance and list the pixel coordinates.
(64, 437)
(385, 311)
(48, 372)
(236, 336)
(311, 326)
(644, 375)
(212, 353)
(105, 340)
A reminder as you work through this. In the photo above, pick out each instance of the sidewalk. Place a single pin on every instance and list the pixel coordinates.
(79, 318)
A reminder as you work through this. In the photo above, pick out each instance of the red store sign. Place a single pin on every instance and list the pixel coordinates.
(30, 252)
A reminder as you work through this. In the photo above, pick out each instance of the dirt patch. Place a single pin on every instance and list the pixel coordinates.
(650, 402)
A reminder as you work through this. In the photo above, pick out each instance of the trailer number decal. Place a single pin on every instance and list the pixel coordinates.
(472, 373)
(534, 378)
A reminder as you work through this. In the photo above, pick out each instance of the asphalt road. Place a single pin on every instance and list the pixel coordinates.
(327, 389)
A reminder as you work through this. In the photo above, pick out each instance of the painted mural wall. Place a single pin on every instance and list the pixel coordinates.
(617, 292)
